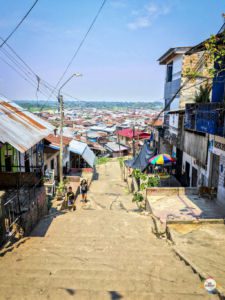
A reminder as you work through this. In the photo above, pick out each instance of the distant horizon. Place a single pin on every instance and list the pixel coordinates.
(106, 101)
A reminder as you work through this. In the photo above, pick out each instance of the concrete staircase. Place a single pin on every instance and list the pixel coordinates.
(96, 254)
(104, 250)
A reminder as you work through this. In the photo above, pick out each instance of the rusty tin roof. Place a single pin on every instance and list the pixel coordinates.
(20, 128)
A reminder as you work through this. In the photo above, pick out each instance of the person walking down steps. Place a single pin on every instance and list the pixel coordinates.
(84, 189)
(70, 197)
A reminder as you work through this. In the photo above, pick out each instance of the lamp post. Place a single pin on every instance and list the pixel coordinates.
(60, 99)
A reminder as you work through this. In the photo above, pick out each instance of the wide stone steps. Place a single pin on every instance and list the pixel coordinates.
(112, 261)
(99, 271)
(85, 265)
(84, 250)
(63, 293)
(155, 285)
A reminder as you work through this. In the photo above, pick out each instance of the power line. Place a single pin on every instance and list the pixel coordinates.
(19, 72)
(19, 65)
(24, 70)
(18, 25)
(80, 46)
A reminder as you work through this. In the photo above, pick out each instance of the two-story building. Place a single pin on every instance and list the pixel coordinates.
(208, 120)
(22, 194)
(179, 90)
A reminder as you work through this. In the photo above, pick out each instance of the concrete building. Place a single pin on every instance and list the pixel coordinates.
(180, 90)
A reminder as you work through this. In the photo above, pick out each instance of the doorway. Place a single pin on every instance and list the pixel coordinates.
(215, 170)
(8, 163)
(179, 164)
(194, 177)
(187, 172)
(27, 164)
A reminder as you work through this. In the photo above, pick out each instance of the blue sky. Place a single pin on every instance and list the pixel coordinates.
(119, 58)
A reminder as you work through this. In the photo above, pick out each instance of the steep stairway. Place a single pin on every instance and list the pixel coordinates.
(96, 254)
(105, 250)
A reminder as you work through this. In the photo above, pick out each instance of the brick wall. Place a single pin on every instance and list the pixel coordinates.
(192, 87)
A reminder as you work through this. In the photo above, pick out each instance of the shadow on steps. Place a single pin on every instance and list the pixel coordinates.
(42, 227)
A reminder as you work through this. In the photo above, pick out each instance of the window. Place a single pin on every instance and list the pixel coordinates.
(169, 72)
(52, 164)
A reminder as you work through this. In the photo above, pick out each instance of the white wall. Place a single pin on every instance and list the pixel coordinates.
(47, 162)
(174, 120)
(221, 187)
(177, 66)
(175, 103)
(202, 173)
(221, 154)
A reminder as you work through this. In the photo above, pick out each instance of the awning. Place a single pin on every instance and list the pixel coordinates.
(83, 150)
(141, 161)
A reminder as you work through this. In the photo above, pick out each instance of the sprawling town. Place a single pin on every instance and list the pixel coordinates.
(117, 200)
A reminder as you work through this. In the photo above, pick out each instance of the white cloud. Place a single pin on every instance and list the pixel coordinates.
(140, 22)
(144, 17)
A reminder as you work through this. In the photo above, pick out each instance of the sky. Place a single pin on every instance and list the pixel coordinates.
(119, 58)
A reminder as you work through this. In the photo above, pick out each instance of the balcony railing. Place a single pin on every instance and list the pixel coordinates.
(206, 118)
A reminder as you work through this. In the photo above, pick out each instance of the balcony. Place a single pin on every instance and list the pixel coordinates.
(205, 118)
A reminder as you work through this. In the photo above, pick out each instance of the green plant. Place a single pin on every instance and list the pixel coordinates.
(203, 96)
(121, 161)
(60, 189)
(137, 174)
(138, 197)
(102, 160)
(213, 62)
(153, 181)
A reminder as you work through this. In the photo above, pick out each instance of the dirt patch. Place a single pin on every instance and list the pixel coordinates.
(184, 228)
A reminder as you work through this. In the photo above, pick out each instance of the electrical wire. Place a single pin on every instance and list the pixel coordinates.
(18, 64)
(79, 46)
(197, 67)
(18, 25)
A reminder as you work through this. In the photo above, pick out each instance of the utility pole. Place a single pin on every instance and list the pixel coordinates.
(61, 109)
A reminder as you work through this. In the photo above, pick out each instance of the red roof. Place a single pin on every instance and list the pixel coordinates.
(144, 135)
(128, 132)
(55, 140)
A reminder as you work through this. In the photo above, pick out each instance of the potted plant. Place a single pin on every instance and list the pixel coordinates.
(60, 191)
(138, 198)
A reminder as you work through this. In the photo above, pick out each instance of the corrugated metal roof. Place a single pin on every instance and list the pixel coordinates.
(20, 128)
(83, 150)
(115, 147)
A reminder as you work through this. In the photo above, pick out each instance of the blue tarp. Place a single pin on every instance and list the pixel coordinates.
(141, 161)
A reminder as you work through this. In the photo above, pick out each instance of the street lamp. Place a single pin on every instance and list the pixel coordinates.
(60, 99)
